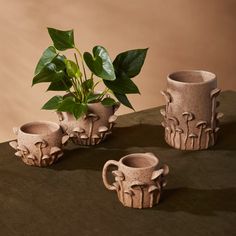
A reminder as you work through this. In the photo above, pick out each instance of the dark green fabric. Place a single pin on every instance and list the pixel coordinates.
(69, 199)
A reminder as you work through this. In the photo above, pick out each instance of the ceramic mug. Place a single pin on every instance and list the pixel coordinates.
(38, 143)
(191, 120)
(138, 182)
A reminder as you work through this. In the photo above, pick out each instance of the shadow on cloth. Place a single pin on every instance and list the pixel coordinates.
(198, 201)
(116, 146)
(227, 135)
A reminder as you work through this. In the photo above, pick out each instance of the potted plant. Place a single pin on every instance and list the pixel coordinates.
(85, 114)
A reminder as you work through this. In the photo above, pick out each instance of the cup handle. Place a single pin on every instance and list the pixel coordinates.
(104, 173)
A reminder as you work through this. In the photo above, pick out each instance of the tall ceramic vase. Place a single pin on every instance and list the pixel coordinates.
(191, 120)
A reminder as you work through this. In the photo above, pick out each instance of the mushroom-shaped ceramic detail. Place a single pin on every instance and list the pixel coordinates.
(31, 159)
(65, 139)
(60, 116)
(200, 125)
(84, 138)
(179, 131)
(208, 132)
(188, 116)
(56, 153)
(166, 170)
(219, 115)
(163, 112)
(129, 193)
(95, 139)
(78, 131)
(192, 138)
(168, 99)
(15, 130)
(214, 93)
(13, 144)
(156, 174)
(167, 133)
(23, 149)
(139, 186)
(40, 144)
(102, 130)
(119, 178)
(173, 124)
(112, 120)
(151, 190)
(92, 118)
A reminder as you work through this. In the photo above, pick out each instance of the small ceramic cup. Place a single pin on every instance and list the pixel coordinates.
(138, 181)
(38, 143)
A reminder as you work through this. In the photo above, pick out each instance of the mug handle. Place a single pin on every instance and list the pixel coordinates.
(104, 173)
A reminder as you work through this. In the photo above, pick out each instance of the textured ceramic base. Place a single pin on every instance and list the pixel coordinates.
(91, 129)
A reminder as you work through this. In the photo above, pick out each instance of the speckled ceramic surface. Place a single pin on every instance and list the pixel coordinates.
(138, 181)
(191, 119)
(91, 129)
(38, 143)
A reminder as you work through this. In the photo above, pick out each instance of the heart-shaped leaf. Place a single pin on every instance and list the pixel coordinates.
(62, 85)
(62, 40)
(130, 62)
(49, 73)
(53, 103)
(100, 63)
(93, 63)
(46, 57)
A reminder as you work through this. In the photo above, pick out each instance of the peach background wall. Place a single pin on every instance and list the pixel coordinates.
(181, 34)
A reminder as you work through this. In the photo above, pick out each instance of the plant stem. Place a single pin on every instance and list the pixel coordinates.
(82, 61)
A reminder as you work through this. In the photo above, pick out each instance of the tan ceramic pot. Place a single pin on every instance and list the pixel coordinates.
(191, 121)
(91, 129)
(138, 182)
(38, 143)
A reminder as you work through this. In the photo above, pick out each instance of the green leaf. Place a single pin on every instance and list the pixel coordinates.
(67, 104)
(93, 63)
(108, 102)
(88, 84)
(79, 110)
(123, 99)
(53, 103)
(122, 85)
(49, 73)
(108, 72)
(46, 57)
(62, 40)
(70, 105)
(72, 69)
(63, 85)
(100, 63)
(130, 62)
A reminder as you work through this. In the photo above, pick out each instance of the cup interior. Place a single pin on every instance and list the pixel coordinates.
(40, 128)
(193, 76)
(139, 161)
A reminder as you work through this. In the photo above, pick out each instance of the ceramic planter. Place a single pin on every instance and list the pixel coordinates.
(38, 143)
(91, 129)
(138, 181)
(191, 121)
